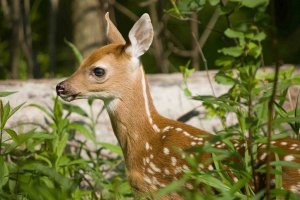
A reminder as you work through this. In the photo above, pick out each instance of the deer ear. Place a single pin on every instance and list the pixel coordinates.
(112, 32)
(140, 36)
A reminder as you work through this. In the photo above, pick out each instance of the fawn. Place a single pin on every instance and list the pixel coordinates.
(149, 141)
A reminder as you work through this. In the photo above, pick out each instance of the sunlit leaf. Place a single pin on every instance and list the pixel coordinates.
(233, 34)
(112, 147)
(4, 173)
(5, 94)
(232, 51)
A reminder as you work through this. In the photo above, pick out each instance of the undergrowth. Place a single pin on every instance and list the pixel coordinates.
(47, 161)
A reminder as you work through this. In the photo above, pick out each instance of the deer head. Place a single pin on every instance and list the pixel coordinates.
(109, 72)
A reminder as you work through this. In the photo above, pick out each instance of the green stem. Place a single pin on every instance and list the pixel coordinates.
(1, 133)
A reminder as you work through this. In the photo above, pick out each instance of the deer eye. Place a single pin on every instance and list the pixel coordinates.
(98, 71)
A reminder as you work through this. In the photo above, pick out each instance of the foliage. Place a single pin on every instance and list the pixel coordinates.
(47, 163)
(248, 99)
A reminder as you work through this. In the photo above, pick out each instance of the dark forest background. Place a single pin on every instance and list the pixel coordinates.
(33, 33)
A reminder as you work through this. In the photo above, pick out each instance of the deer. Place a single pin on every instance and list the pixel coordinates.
(150, 142)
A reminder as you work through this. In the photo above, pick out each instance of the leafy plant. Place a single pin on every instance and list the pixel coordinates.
(46, 162)
(248, 99)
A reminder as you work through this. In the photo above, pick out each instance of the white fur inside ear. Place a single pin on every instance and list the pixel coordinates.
(140, 36)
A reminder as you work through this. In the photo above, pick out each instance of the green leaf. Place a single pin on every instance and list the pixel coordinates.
(12, 134)
(233, 34)
(289, 164)
(214, 2)
(43, 158)
(61, 145)
(4, 173)
(75, 51)
(213, 182)
(43, 135)
(74, 109)
(225, 61)
(222, 78)
(254, 50)
(5, 94)
(187, 92)
(5, 114)
(84, 130)
(114, 148)
(58, 109)
(62, 181)
(254, 3)
(278, 176)
(175, 185)
(186, 72)
(14, 110)
(232, 51)
(259, 37)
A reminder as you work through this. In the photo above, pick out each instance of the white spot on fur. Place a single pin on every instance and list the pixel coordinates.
(177, 170)
(263, 146)
(289, 158)
(167, 128)
(292, 148)
(164, 136)
(147, 179)
(201, 166)
(147, 146)
(283, 143)
(155, 127)
(210, 167)
(147, 160)
(178, 129)
(185, 167)
(174, 161)
(263, 156)
(186, 133)
(295, 188)
(166, 151)
(193, 143)
(150, 171)
(235, 179)
(167, 172)
(153, 166)
(153, 187)
(151, 156)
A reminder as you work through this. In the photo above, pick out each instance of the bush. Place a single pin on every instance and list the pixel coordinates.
(46, 162)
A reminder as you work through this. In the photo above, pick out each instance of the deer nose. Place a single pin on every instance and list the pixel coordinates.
(60, 88)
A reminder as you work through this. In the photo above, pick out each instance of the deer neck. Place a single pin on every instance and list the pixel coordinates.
(133, 117)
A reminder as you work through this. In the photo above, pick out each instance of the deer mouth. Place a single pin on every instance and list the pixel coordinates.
(69, 97)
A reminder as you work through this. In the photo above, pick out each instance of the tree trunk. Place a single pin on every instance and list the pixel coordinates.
(52, 35)
(89, 27)
(159, 53)
(16, 28)
(26, 40)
